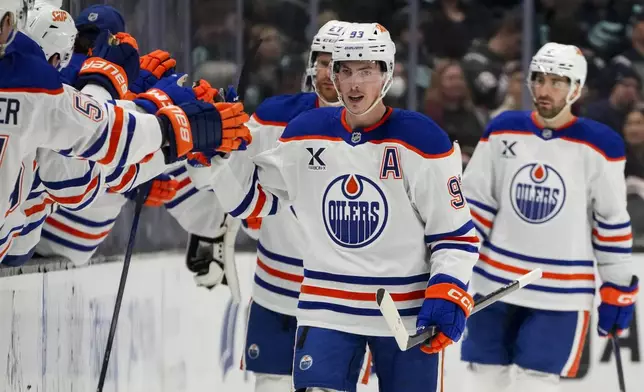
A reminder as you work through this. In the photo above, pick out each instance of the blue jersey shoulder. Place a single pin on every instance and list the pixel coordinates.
(599, 135)
(511, 120)
(284, 108)
(24, 67)
(319, 122)
(418, 132)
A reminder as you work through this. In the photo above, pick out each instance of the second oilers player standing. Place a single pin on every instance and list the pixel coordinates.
(372, 188)
(547, 191)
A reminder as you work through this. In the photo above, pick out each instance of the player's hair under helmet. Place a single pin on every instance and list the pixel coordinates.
(563, 60)
(323, 43)
(365, 42)
(54, 30)
(17, 10)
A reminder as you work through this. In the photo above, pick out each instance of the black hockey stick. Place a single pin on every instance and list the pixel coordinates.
(618, 361)
(406, 341)
(141, 195)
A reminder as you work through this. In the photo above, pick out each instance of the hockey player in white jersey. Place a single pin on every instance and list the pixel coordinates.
(372, 187)
(547, 191)
(41, 112)
(271, 323)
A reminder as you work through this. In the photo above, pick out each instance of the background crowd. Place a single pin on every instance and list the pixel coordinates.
(466, 64)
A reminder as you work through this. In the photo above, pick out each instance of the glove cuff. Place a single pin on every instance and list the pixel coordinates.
(621, 296)
(453, 293)
(177, 132)
(158, 97)
(105, 73)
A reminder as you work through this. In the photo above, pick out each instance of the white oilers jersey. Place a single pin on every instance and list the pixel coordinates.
(369, 202)
(549, 199)
(279, 271)
(36, 110)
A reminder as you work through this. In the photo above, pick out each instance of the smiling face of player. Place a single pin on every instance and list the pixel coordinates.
(550, 93)
(323, 83)
(359, 84)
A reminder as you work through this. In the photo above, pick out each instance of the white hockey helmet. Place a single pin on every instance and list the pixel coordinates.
(18, 10)
(323, 43)
(365, 42)
(54, 30)
(563, 60)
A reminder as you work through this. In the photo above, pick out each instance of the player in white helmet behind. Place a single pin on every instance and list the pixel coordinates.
(272, 324)
(547, 191)
(372, 187)
(54, 30)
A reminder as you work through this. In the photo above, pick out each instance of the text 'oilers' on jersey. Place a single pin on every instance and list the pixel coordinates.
(549, 199)
(368, 201)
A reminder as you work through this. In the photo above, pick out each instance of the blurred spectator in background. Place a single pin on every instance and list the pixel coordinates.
(624, 93)
(559, 21)
(215, 34)
(397, 94)
(453, 25)
(516, 83)
(218, 73)
(485, 62)
(290, 74)
(608, 22)
(634, 137)
(450, 105)
(634, 56)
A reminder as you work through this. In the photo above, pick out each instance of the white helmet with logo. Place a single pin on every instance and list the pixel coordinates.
(54, 30)
(18, 14)
(366, 42)
(323, 43)
(563, 60)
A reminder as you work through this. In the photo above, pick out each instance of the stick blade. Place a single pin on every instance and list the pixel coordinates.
(392, 317)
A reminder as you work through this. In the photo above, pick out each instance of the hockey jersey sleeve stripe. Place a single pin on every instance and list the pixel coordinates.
(279, 274)
(358, 296)
(126, 179)
(277, 257)
(70, 183)
(482, 206)
(259, 205)
(15, 231)
(276, 289)
(33, 226)
(248, 199)
(522, 271)
(78, 198)
(39, 207)
(178, 171)
(482, 233)
(469, 225)
(33, 90)
(75, 232)
(463, 247)
(613, 226)
(611, 249)
(308, 305)
(131, 126)
(519, 256)
(85, 222)
(115, 136)
(66, 243)
(614, 238)
(173, 203)
(366, 280)
(88, 201)
(485, 222)
(560, 290)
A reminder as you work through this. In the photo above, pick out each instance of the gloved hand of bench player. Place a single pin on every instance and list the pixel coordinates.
(113, 64)
(162, 190)
(200, 127)
(617, 307)
(446, 306)
(153, 67)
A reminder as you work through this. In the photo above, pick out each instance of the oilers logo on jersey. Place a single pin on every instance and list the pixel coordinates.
(537, 193)
(355, 210)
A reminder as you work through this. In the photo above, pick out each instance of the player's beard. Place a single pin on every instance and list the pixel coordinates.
(549, 111)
